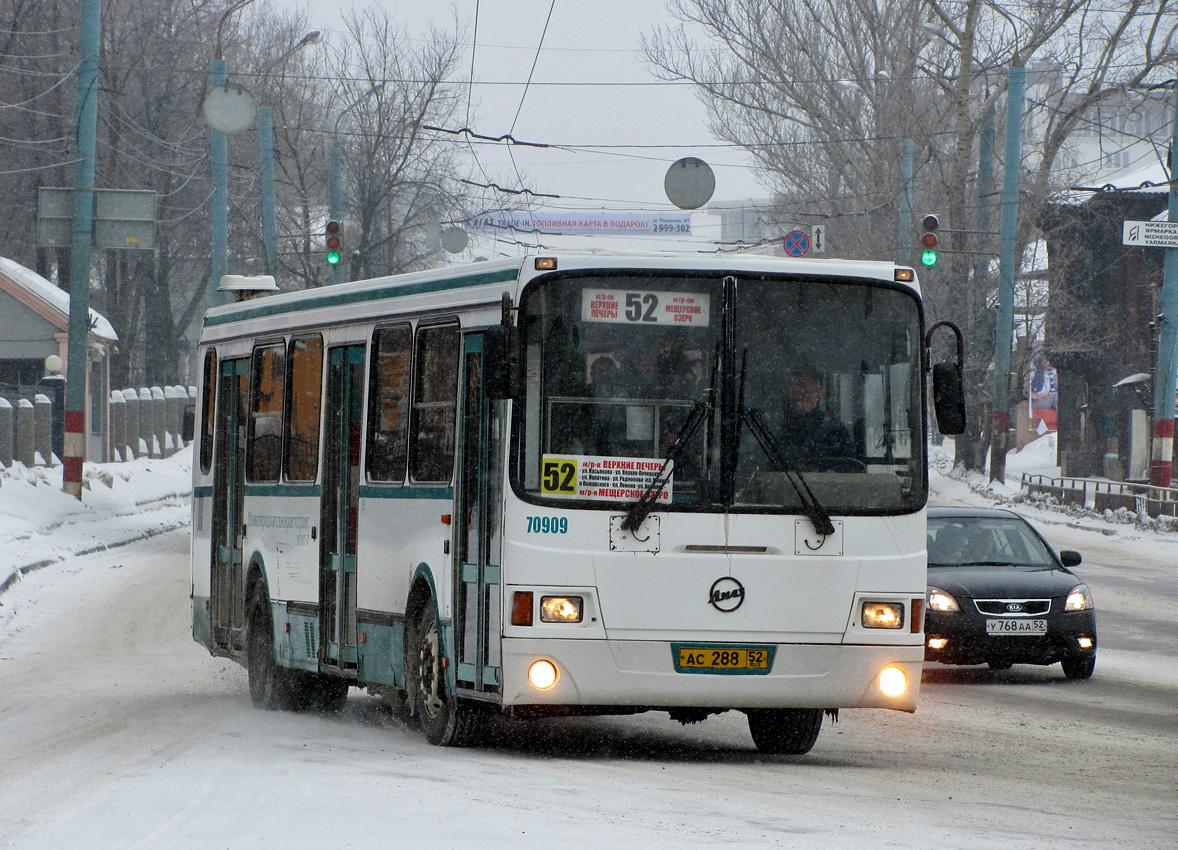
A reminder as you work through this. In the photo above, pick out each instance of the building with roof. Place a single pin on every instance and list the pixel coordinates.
(34, 327)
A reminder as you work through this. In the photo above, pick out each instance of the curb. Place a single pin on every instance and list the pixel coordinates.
(20, 572)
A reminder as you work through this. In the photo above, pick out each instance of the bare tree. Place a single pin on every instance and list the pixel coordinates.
(821, 93)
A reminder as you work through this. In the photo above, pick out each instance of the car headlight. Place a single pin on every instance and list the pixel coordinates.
(941, 601)
(1080, 599)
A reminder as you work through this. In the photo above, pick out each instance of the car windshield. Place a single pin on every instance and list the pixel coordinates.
(971, 541)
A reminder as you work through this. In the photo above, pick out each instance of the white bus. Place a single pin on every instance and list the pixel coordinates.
(570, 484)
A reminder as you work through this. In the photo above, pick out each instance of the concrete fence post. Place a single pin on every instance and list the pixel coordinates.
(25, 428)
(7, 427)
(43, 428)
(159, 419)
(131, 426)
(145, 423)
(118, 425)
(174, 403)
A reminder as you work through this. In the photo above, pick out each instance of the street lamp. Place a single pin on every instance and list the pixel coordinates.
(225, 108)
(266, 161)
(335, 191)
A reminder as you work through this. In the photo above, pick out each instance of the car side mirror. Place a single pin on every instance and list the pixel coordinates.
(1070, 558)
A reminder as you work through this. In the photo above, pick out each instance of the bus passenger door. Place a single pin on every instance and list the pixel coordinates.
(227, 602)
(479, 525)
(340, 508)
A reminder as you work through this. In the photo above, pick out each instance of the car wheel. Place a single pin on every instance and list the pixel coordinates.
(1000, 664)
(446, 720)
(1079, 666)
(784, 731)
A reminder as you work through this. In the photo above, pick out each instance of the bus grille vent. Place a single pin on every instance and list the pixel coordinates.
(309, 632)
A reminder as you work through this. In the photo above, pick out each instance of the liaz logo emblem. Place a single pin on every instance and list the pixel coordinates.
(1014, 607)
(727, 594)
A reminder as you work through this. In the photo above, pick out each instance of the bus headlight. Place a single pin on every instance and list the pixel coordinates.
(542, 674)
(561, 609)
(893, 681)
(883, 615)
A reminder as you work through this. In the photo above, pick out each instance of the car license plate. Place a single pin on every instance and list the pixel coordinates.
(723, 659)
(1004, 628)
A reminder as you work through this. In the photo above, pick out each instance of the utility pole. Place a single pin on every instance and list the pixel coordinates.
(1161, 465)
(74, 443)
(904, 251)
(1007, 267)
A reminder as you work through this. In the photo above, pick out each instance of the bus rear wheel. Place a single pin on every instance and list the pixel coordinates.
(784, 731)
(446, 720)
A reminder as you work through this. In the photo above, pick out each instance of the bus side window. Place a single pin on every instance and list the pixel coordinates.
(306, 391)
(388, 407)
(264, 442)
(434, 392)
(208, 396)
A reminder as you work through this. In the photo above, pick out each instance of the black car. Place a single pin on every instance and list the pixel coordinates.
(999, 595)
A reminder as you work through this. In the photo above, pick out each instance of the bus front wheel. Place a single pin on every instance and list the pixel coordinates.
(784, 731)
(446, 720)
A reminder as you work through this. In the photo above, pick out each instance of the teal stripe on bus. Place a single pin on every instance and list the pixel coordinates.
(378, 492)
(338, 299)
(202, 492)
(313, 491)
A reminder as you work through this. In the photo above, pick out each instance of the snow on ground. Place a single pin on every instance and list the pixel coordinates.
(43, 529)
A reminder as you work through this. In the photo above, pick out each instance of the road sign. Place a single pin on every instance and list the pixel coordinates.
(818, 239)
(123, 218)
(796, 243)
(1150, 234)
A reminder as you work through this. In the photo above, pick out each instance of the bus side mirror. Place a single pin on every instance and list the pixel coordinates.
(497, 383)
(188, 423)
(949, 398)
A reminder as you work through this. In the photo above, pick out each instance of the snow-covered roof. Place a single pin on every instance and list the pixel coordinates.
(57, 299)
(1151, 179)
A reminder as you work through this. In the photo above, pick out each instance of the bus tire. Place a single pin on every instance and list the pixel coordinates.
(446, 720)
(271, 687)
(784, 731)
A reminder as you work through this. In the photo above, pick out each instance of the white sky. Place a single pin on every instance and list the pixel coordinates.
(586, 43)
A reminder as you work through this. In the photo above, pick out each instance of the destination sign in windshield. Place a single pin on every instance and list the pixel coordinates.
(645, 307)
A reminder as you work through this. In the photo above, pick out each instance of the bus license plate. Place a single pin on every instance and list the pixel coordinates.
(723, 659)
(1016, 627)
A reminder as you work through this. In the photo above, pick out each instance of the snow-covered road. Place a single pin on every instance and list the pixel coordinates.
(117, 731)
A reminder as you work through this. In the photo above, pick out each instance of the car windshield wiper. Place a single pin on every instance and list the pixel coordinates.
(641, 509)
(987, 564)
(818, 515)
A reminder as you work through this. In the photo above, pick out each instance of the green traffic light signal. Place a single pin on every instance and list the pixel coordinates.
(929, 258)
(333, 257)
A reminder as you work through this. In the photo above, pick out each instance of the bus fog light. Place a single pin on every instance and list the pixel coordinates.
(893, 681)
(561, 609)
(883, 615)
(542, 674)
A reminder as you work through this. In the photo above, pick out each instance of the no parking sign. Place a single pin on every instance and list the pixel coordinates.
(796, 243)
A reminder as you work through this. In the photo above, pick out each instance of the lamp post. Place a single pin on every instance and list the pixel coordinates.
(335, 190)
(228, 110)
(266, 151)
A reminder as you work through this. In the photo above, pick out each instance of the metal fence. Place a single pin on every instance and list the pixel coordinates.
(1101, 495)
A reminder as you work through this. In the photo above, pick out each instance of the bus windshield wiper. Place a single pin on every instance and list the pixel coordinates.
(641, 509)
(819, 518)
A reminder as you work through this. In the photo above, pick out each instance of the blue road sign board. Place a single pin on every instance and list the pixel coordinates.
(796, 243)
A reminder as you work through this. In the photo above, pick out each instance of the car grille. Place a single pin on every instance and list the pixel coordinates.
(1013, 607)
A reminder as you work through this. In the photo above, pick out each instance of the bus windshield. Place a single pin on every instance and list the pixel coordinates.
(720, 393)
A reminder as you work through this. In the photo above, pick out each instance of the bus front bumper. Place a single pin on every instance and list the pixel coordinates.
(605, 673)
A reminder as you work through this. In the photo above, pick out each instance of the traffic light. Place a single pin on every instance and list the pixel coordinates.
(333, 242)
(929, 240)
